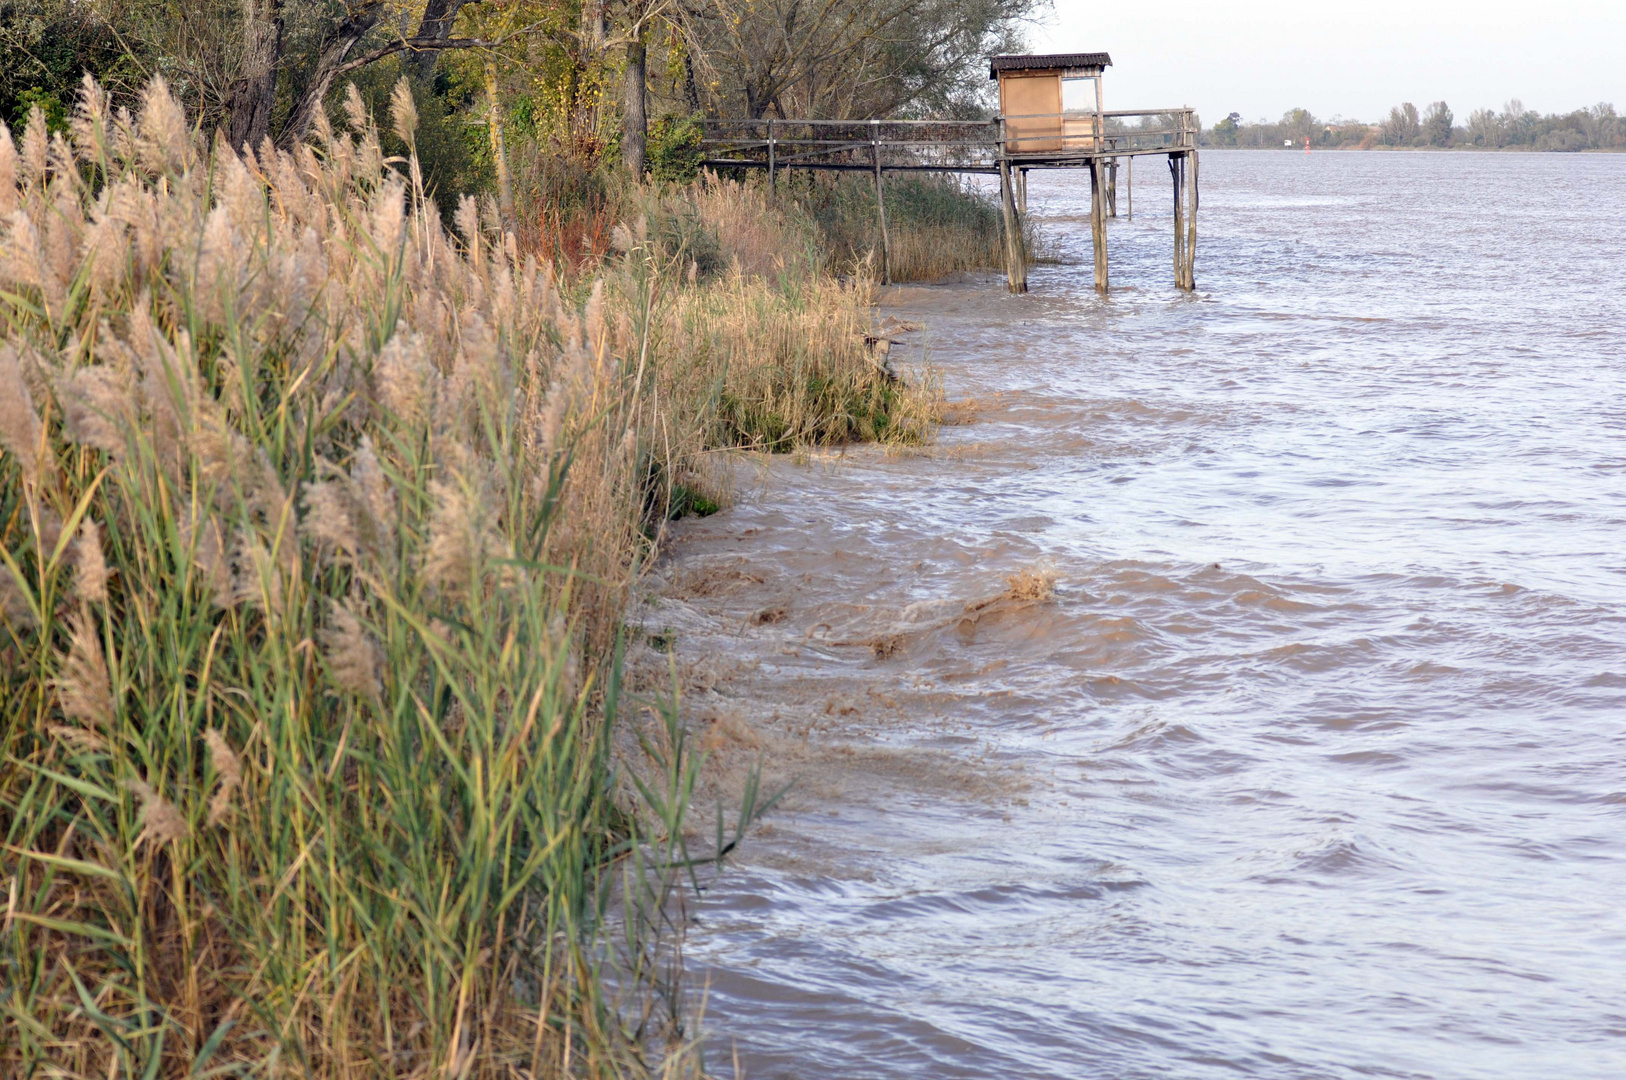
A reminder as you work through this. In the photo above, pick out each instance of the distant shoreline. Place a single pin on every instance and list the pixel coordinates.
(1412, 149)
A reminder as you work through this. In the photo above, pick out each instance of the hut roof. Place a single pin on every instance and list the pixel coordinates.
(1046, 62)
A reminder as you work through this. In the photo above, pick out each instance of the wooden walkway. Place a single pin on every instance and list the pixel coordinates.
(1005, 147)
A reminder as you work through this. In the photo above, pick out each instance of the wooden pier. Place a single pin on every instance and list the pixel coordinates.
(1051, 117)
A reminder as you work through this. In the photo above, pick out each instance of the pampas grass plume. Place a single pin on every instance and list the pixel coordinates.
(404, 113)
(83, 688)
(90, 564)
(160, 821)
(20, 431)
(229, 772)
(353, 660)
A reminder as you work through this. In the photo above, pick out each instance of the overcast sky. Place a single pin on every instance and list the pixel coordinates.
(1263, 57)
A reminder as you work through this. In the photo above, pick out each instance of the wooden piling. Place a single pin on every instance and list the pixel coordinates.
(880, 203)
(1112, 188)
(1022, 192)
(1191, 220)
(1016, 271)
(1177, 175)
(1129, 188)
(1098, 221)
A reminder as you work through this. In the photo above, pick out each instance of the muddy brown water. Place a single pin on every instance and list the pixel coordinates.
(1314, 764)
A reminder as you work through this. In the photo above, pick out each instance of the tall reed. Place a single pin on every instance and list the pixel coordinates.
(316, 526)
(308, 511)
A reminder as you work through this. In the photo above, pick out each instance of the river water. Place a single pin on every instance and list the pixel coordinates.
(1314, 763)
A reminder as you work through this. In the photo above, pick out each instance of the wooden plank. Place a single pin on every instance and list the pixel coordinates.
(1129, 189)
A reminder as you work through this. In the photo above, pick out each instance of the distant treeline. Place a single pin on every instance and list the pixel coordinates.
(1515, 127)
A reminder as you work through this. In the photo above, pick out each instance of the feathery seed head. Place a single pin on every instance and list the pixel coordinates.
(389, 216)
(330, 516)
(20, 431)
(401, 378)
(160, 821)
(354, 661)
(355, 110)
(449, 559)
(467, 219)
(8, 171)
(368, 475)
(404, 113)
(95, 407)
(90, 119)
(83, 688)
(90, 564)
(228, 771)
(162, 141)
(593, 318)
(36, 148)
(15, 609)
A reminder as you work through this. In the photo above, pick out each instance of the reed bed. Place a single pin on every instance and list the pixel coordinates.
(317, 521)
(939, 226)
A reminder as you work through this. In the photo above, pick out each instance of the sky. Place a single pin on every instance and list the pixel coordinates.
(1356, 60)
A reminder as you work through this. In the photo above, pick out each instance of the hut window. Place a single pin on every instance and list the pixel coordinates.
(1078, 95)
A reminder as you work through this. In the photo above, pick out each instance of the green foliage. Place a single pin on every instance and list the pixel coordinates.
(673, 151)
(47, 47)
(453, 148)
(56, 113)
(688, 501)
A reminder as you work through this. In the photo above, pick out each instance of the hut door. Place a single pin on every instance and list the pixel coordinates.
(1032, 108)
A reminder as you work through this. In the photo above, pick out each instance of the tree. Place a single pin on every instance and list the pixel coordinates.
(849, 59)
(1225, 130)
(1437, 124)
(1298, 124)
(1403, 127)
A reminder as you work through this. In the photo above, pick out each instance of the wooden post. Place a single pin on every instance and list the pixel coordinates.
(1176, 160)
(773, 178)
(1112, 188)
(1129, 187)
(1100, 120)
(1191, 220)
(1021, 191)
(1016, 271)
(1098, 221)
(880, 202)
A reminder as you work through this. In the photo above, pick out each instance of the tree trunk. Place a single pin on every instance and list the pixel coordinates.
(249, 121)
(335, 50)
(691, 90)
(438, 17)
(499, 151)
(636, 136)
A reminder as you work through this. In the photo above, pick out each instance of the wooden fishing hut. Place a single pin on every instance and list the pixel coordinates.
(1052, 115)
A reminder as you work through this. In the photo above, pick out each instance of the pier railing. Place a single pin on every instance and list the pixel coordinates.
(970, 146)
